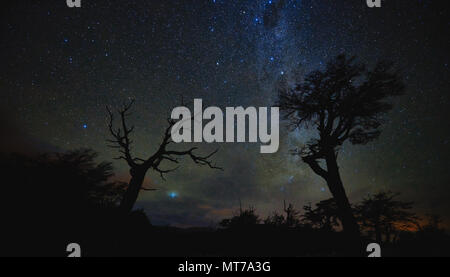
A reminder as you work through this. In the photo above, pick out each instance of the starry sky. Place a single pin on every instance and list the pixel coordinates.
(61, 66)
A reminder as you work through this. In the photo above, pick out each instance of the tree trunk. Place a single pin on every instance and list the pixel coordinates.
(388, 237)
(378, 236)
(388, 232)
(349, 224)
(134, 187)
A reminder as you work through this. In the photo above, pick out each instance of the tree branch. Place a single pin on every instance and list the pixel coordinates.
(315, 167)
(121, 141)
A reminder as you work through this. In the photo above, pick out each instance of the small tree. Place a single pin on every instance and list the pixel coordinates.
(433, 222)
(290, 219)
(382, 215)
(139, 167)
(325, 216)
(292, 215)
(342, 103)
(275, 219)
(246, 218)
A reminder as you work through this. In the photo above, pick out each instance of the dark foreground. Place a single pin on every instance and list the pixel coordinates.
(103, 234)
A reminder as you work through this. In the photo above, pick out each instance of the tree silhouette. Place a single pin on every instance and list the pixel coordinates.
(433, 222)
(275, 219)
(344, 102)
(139, 167)
(325, 216)
(292, 215)
(382, 215)
(88, 177)
(51, 197)
(290, 219)
(246, 218)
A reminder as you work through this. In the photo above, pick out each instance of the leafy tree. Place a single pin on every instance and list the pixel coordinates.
(51, 197)
(343, 102)
(275, 219)
(325, 216)
(434, 221)
(246, 218)
(90, 178)
(382, 215)
(431, 226)
(72, 178)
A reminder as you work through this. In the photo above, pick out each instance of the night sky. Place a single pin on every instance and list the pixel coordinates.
(61, 66)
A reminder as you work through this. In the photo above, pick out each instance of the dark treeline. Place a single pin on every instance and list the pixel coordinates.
(52, 200)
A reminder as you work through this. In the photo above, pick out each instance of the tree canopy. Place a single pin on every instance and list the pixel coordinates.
(343, 102)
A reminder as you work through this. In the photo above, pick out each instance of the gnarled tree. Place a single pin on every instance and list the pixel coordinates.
(344, 102)
(138, 166)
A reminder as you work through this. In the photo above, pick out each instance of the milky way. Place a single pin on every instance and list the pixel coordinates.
(61, 67)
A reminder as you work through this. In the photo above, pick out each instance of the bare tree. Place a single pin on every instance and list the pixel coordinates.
(290, 220)
(292, 215)
(139, 167)
(344, 102)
